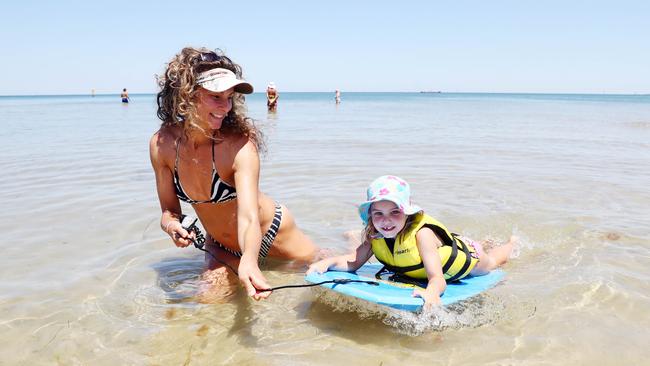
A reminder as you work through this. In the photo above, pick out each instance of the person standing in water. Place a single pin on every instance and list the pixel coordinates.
(337, 96)
(125, 96)
(206, 153)
(272, 96)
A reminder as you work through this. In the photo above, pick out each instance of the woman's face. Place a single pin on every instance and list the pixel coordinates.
(212, 107)
(387, 218)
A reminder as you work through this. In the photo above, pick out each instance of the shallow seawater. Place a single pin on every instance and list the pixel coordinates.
(89, 278)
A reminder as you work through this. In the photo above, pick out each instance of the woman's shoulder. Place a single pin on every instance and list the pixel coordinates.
(163, 142)
(236, 142)
(167, 133)
(237, 150)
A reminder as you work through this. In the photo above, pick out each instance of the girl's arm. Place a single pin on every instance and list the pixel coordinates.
(428, 244)
(169, 204)
(347, 263)
(247, 169)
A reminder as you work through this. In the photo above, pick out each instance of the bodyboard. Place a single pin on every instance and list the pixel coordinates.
(398, 295)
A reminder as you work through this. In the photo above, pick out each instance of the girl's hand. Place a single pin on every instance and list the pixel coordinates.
(430, 297)
(319, 267)
(180, 236)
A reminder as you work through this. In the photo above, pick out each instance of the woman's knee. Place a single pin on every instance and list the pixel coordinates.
(218, 285)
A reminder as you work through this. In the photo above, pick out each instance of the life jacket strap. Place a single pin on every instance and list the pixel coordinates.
(468, 258)
(400, 270)
(396, 277)
(380, 272)
(453, 242)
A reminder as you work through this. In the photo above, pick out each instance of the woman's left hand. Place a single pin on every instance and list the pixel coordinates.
(252, 279)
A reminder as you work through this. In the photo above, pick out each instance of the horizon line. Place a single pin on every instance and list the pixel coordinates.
(350, 92)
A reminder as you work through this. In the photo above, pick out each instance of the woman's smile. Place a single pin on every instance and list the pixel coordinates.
(214, 107)
(215, 120)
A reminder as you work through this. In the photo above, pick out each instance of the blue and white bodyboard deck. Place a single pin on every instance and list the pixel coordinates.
(397, 295)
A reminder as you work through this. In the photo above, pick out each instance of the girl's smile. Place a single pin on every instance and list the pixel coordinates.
(387, 218)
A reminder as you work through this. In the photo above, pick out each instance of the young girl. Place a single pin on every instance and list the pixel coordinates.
(412, 244)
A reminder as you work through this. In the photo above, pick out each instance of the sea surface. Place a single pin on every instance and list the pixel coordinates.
(88, 277)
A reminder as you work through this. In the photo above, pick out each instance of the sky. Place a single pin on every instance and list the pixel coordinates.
(567, 46)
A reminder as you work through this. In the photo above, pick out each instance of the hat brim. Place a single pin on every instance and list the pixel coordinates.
(223, 84)
(409, 209)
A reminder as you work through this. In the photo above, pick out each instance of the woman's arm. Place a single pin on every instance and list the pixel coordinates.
(169, 204)
(249, 235)
(428, 244)
(348, 263)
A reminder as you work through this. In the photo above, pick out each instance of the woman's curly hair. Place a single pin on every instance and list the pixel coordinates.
(176, 99)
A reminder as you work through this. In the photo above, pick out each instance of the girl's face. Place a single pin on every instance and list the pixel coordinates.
(213, 107)
(387, 218)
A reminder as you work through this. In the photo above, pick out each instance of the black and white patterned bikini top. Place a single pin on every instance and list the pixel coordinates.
(219, 193)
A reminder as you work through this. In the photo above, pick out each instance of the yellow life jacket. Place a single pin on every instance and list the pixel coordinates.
(457, 258)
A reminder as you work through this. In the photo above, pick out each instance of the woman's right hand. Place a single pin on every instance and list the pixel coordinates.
(180, 236)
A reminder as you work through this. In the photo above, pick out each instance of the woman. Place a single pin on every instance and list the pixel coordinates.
(206, 153)
(272, 96)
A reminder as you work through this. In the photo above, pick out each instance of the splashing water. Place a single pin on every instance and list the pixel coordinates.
(477, 311)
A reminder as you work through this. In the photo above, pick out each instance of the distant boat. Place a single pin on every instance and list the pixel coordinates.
(430, 91)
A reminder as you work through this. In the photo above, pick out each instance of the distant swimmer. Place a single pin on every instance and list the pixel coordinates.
(337, 96)
(125, 96)
(272, 96)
